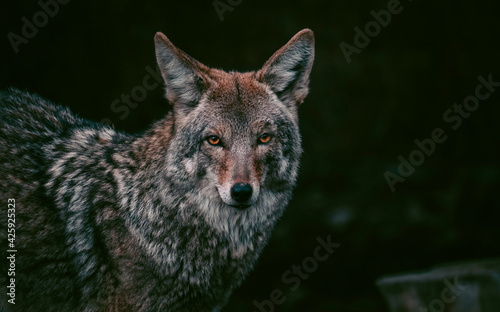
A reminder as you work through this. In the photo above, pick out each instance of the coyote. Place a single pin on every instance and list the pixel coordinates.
(169, 220)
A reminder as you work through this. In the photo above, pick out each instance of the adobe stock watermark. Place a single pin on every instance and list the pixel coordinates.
(139, 93)
(372, 29)
(30, 27)
(454, 118)
(298, 273)
(448, 295)
(223, 6)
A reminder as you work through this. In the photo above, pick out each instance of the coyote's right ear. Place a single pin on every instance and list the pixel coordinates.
(287, 71)
(185, 78)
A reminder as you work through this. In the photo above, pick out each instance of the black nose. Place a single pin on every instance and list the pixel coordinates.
(241, 192)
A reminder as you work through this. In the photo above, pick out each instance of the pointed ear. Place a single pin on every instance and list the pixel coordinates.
(185, 78)
(287, 71)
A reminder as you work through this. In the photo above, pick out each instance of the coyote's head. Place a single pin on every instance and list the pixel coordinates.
(236, 135)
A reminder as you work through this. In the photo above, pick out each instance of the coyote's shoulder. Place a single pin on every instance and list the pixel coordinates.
(169, 220)
(36, 138)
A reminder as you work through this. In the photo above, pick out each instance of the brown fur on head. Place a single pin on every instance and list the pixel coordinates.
(286, 73)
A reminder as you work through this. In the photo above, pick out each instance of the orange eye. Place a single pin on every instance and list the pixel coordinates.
(265, 138)
(213, 140)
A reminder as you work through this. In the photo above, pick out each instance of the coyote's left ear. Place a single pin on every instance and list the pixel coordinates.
(186, 79)
(287, 71)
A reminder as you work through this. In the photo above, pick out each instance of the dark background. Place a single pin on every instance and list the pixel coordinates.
(357, 120)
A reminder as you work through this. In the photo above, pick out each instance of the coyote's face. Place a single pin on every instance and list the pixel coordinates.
(236, 134)
(244, 139)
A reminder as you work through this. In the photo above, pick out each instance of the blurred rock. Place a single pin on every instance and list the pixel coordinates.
(470, 287)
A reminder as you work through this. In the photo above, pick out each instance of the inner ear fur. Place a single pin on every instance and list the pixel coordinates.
(287, 71)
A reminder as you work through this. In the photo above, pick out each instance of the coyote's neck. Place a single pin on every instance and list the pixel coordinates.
(182, 225)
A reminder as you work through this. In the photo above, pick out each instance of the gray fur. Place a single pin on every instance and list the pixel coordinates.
(108, 221)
